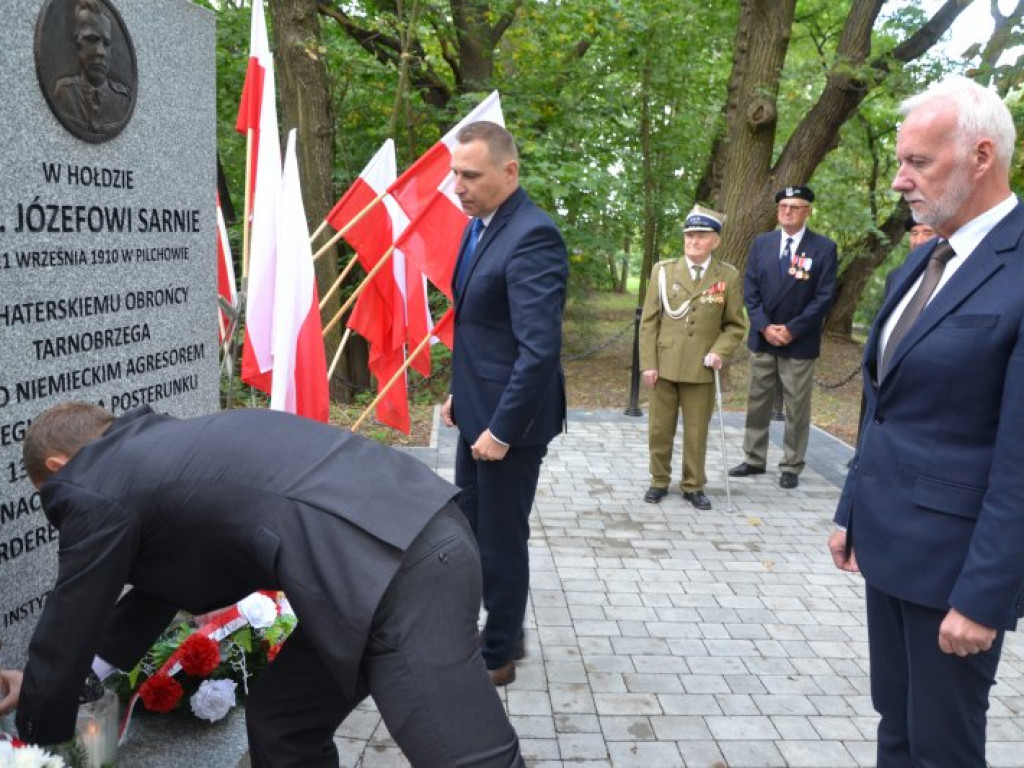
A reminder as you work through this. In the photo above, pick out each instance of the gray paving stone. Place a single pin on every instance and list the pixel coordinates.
(680, 727)
(627, 728)
(582, 746)
(794, 727)
(701, 754)
(689, 704)
(751, 754)
(816, 754)
(742, 728)
(661, 638)
(627, 704)
(565, 723)
(644, 754)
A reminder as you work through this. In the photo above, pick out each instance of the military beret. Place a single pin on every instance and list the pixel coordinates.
(802, 192)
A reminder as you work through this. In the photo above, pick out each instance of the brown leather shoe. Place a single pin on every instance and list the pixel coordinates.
(503, 675)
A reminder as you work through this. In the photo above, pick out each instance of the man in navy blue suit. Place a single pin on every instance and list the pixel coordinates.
(507, 388)
(932, 513)
(788, 287)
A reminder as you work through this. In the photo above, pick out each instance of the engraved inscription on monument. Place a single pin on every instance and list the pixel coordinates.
(107, 240)
(85, 63)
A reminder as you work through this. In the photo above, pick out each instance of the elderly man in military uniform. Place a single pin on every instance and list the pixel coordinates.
(692, 319)
(91, 101)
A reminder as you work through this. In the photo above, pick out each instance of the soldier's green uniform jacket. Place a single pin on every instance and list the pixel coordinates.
(716, 321)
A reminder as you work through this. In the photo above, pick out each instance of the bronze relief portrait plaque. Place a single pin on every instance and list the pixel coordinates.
(85, 62)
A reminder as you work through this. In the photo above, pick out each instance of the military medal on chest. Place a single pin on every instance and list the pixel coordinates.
(800, 267)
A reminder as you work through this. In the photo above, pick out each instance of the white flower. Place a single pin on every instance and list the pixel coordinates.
(259, 610)
(27, 757)
(213, 700)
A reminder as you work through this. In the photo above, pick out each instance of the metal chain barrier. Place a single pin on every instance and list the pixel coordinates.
(842, 382)
(600, 347)
(443, 370)
(823, 384)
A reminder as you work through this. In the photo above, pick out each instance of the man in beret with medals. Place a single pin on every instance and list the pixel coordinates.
(789, 285)
(692, 319)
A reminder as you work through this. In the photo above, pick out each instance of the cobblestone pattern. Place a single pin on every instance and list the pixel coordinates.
(660, 636)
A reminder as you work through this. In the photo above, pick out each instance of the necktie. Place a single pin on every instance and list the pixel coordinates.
(466, 262)
(932, 274)
(786, 257)
(698, 270)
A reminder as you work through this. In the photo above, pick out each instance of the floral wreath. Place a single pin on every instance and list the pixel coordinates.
(208, 665)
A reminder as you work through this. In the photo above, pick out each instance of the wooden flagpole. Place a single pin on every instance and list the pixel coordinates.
(242, 309)
(319, 229)
(337, 353)
(387, 387)
(344, 230)
(246, 221)
(337, 283)
(359, 289)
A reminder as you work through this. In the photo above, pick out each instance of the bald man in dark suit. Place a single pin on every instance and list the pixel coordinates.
(507, 388)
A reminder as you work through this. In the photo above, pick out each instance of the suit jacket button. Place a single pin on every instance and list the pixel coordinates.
(879, 419)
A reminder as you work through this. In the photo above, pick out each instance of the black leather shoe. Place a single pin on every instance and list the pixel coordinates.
(655, 495)
(745, 470)
(788, 480)
(698, 499)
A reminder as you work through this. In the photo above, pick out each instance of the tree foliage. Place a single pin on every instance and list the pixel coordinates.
(628, 112)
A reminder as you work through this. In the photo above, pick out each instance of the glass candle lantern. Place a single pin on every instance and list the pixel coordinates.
(96, 730)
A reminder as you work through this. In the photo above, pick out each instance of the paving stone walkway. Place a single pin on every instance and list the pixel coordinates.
(660, 636)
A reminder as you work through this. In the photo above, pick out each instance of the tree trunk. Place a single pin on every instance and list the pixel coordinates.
(741, 177)
(305, 100)
(871, 251)
(650, 217)
(740, 172)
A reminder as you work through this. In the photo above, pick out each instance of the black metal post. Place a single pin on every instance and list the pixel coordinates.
(634, 384)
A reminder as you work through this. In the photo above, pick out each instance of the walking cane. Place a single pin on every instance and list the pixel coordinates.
(721, 430)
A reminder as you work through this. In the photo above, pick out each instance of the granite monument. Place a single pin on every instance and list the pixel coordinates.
(107, 239)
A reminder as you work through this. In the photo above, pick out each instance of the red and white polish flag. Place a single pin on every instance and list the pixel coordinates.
(378, 315)
(257, 112)
(426, 192)
(225, 273)
(299, 383)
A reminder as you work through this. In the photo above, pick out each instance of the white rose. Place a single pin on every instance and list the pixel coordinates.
(213, 700)
(258, 609)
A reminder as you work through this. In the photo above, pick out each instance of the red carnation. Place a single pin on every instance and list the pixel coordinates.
(160, 693)
(272, 652)
(199, 656)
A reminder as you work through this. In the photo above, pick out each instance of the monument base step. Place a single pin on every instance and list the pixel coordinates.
(174, 742)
